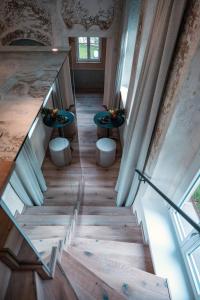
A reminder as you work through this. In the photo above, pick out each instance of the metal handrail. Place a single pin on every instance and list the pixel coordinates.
(142, 177)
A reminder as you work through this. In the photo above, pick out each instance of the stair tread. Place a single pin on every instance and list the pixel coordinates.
(59, 202)
(49, 210)
(45, 232)
(18, 280)
(136, 254)
(45, 244)
(53, 219)
(5, 275)
(63, 219)
(58, 288)
(105, 220)
(85, 280)
(128, 281)
(105, 210)
(130, 233)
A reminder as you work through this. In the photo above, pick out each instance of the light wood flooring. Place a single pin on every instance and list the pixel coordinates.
(99, 182)
(106, 258)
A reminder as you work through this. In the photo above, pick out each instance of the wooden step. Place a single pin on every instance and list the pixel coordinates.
(56, 289)
(101, 220)
(88, 172)
(45, 232)
(44, 244)
(134, 254)
(87, 201)
(89, 181)
(128, 281)
(113, 233)
(40, 220)
(101, 196)
(5, 275)
(70, 181)
(49, 210)
(86, 284)
(53, 261)
(59, 201)
(14, 241)
(39, 290)
(21, 286)
(66, 191)
(107, 211)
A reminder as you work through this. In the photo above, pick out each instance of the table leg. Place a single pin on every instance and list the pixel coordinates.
(61, 132)
(107, 132)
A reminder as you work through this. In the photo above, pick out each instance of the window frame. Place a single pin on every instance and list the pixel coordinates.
(89, 59)
(188, 243)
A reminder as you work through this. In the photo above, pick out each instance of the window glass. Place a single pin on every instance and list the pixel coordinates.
(194, 262)
(82, 48)
(94, 48)
(191, 206)
(188, 236)
(88, 49)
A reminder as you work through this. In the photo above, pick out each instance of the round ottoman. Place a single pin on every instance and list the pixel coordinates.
(106, 150)
(60, 151)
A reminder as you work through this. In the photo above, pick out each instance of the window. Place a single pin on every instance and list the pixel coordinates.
(189, 238)
(88, 49)
(128, 46)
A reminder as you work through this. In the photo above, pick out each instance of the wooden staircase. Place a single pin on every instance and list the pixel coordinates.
(107, 258)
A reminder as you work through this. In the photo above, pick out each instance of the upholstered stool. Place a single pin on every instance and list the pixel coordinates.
(106, 150)
(60, 151)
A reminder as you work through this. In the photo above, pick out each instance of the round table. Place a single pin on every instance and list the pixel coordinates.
(48, 121)
(110, 123)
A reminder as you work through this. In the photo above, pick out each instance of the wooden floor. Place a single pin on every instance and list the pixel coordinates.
(99, 182)
(103, 255)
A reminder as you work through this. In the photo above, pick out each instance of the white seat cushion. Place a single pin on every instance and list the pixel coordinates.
(60, 151)
(106, 144)
(106, 150)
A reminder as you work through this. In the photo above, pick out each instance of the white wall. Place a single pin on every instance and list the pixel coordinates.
(174, 158)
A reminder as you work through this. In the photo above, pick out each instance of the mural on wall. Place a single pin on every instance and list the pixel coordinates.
(14, 15)
(88, 13)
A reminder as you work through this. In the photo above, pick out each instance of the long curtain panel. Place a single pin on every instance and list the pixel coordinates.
(62, 88)
(27, 179)
(149, 78)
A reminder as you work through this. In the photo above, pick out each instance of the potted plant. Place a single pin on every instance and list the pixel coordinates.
(52, 115)
(115, 113)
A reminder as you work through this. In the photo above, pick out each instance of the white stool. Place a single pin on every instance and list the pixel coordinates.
(106, 150)
(60, 151)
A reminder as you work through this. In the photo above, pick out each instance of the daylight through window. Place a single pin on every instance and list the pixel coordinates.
(88, 49)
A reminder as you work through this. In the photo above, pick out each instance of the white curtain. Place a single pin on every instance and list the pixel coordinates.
(62, 88)
(160, 25)
(27, 179)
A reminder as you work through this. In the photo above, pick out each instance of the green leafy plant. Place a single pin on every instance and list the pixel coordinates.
(52, 114)
(49, 112)
(196, 199)
(116, 112)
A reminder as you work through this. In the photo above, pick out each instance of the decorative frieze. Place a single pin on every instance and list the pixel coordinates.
(88, 13)
(24, 19)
